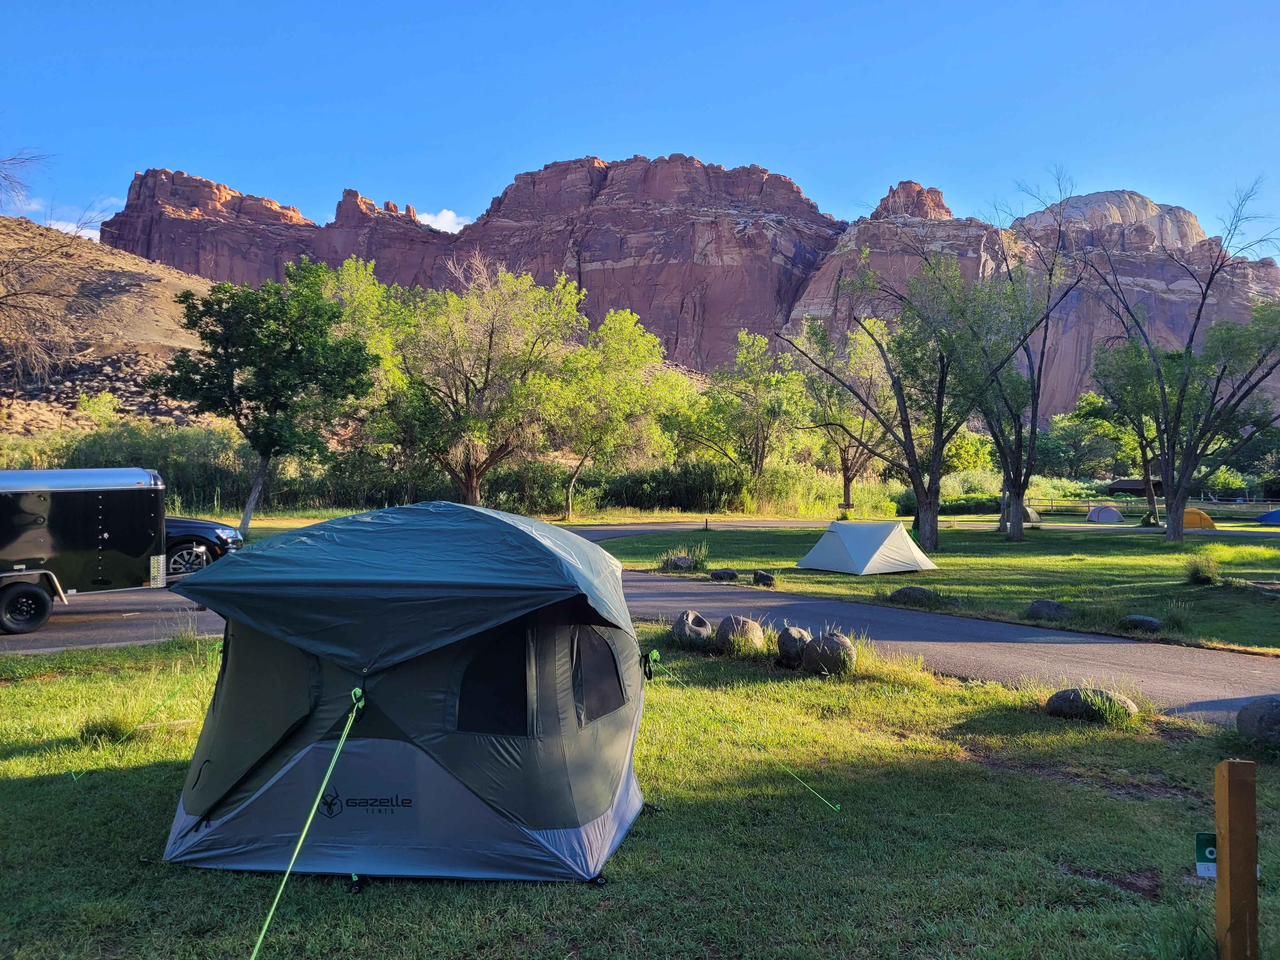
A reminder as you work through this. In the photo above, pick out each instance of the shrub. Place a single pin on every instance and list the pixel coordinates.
(1149, 520)
(1202, 569)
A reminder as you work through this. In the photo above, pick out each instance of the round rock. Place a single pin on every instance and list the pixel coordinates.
(735, 632)
(791, 644)
(832, 654)
(1077, 704)
(914, 597)
(1260, 718)
(724, 573)
(1049, 610)
(762, 579)
(692, 629)
(681, 563)
(1147, 624)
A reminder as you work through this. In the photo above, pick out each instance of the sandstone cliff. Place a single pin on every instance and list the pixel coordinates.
(696, 250)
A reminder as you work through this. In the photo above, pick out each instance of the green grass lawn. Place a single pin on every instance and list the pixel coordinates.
(970, 825)
(1105, 577)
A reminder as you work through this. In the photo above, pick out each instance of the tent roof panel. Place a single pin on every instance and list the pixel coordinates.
(374, 589)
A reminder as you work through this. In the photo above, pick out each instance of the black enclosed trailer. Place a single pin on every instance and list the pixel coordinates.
(76, 531)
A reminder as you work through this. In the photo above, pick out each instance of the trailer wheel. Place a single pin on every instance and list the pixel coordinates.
(24, 608)
(187, 557)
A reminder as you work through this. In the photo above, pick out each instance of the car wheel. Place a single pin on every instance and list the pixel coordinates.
(187, 557)
(24, 608)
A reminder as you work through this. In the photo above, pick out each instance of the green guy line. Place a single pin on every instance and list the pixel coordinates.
(656, 659)
(182, 686)
(357, 697)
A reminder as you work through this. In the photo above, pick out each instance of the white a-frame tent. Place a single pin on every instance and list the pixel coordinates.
(863, 548)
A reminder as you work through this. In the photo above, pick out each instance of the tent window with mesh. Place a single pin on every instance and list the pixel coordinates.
(493, 697)
(597, 687)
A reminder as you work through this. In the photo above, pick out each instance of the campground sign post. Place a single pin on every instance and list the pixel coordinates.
(1232, 853)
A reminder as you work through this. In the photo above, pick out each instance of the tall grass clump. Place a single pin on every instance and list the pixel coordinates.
(672, 561)
(1202, 569)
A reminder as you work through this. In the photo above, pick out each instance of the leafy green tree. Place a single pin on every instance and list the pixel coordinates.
(857, 439)
(967, 451)
(270, 361)
(470, 360)
(1126, 409)
(609, 395)
(750, 409)
(1210, 401)
(1074, 449)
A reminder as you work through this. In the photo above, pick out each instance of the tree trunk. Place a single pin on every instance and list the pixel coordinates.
(1173, 510)
(1015, 516)
(846, 473)
(259, 481)
(927, 521)
(1003, 525)
(471, 488)
(1148, 486)
(568, 491)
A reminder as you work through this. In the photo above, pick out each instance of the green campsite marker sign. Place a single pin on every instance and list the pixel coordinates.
(1206, 854)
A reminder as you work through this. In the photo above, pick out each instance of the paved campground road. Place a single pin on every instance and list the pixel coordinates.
(1207, 683)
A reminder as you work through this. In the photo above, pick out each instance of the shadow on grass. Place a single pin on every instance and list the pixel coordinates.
(34, 748)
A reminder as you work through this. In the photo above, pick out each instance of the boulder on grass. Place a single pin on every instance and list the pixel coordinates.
(1049, 610)
(791, 644)
(1099, 706)
(692, 630)
(724, 574)
(1260, 718)
(1139, 622)
(830, 655)
(738, 635)
(915, 597)
(680, 564)
(762, 579)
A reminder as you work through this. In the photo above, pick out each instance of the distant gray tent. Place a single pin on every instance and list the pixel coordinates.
(1105, 514)
(503, 691)
(1028, 514)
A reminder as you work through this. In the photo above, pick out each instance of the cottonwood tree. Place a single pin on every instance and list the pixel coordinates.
(1210, 402)
(471, 358)
(934, 374)
(1126, 377)
(269, 360)
(1032, 281)
(609, 396)
(750, 407)
(858, 439)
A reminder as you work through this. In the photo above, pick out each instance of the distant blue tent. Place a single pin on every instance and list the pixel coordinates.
(1271, 519)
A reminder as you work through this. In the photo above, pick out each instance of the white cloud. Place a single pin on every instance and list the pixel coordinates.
(89, 232)
(445, 220)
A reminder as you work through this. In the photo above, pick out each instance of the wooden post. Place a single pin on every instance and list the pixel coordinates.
(1236, 823)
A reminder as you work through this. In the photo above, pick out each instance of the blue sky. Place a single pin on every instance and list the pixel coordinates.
(439, 105)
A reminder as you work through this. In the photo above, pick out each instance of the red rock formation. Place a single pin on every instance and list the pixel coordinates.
(696, 250)
(909, 199)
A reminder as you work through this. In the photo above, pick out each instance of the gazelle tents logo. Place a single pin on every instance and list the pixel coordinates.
(331, 804)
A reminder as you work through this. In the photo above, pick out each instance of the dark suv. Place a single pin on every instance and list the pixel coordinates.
(191, 545)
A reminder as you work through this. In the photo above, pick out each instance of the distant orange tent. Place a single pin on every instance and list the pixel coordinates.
(1194, 518)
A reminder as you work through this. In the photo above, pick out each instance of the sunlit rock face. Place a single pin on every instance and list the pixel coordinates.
(697, 250)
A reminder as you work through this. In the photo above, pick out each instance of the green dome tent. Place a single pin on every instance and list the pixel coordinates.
(503, 692)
